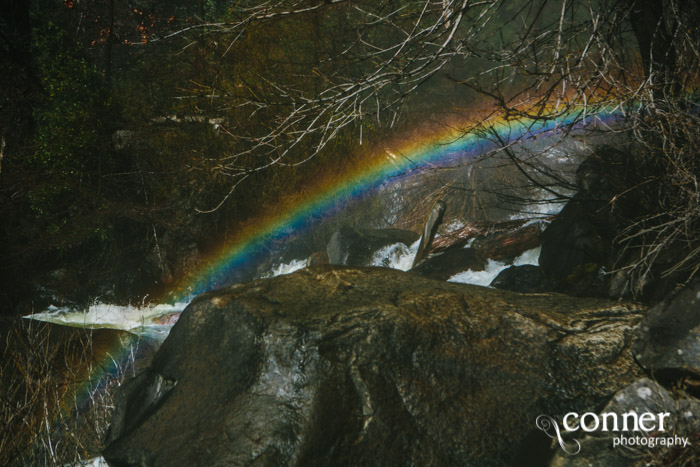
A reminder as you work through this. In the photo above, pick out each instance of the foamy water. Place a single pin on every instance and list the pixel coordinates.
(157, 320)
(96, 462)
(493, 268)
(396, 256)
(147, 319)
(285, 268)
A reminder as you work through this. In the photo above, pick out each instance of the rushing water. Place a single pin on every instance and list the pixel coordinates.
(396, 256)
(493, 268)
(157, 320)
(283, 268)
(148, 320)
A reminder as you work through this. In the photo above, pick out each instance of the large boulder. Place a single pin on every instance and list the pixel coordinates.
(579, 241)
(343, 366)
(356, 247)
(527, 278)
(450, 262)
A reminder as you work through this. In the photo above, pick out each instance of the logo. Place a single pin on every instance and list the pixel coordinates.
(551, 429)
(647, 424)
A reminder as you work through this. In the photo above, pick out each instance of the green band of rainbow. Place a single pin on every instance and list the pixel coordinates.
(430, 150)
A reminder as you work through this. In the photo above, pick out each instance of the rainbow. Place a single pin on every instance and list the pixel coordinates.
(110, 358)
(438, 149)
(390, 163)
(110, 355)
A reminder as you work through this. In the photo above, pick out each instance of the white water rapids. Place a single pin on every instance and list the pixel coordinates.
(157, 320)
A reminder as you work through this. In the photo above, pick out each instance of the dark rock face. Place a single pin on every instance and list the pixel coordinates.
(580, 238)
(577, 243)
(341, 366)
(451, 262)
(355, 247)
(524, 279)
(670, 333)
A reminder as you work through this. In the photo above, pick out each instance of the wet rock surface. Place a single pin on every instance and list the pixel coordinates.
(505, 246)
(355, 247)
(450, 262)
(524, 279)
(342, 366)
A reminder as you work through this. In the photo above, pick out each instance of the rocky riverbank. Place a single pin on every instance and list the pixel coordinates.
(339, 365)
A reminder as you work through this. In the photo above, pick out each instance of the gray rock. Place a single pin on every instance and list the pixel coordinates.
(670, 333)
(607, 448)
(342, 366)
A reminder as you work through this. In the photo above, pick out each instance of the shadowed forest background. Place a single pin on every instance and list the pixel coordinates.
(114, 135)
(138, 135)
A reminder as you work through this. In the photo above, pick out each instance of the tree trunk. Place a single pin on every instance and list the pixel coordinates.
(654, 32)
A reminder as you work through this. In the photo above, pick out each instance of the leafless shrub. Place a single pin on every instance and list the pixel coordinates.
(50, 413)
(664, 242)
(525, 62)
